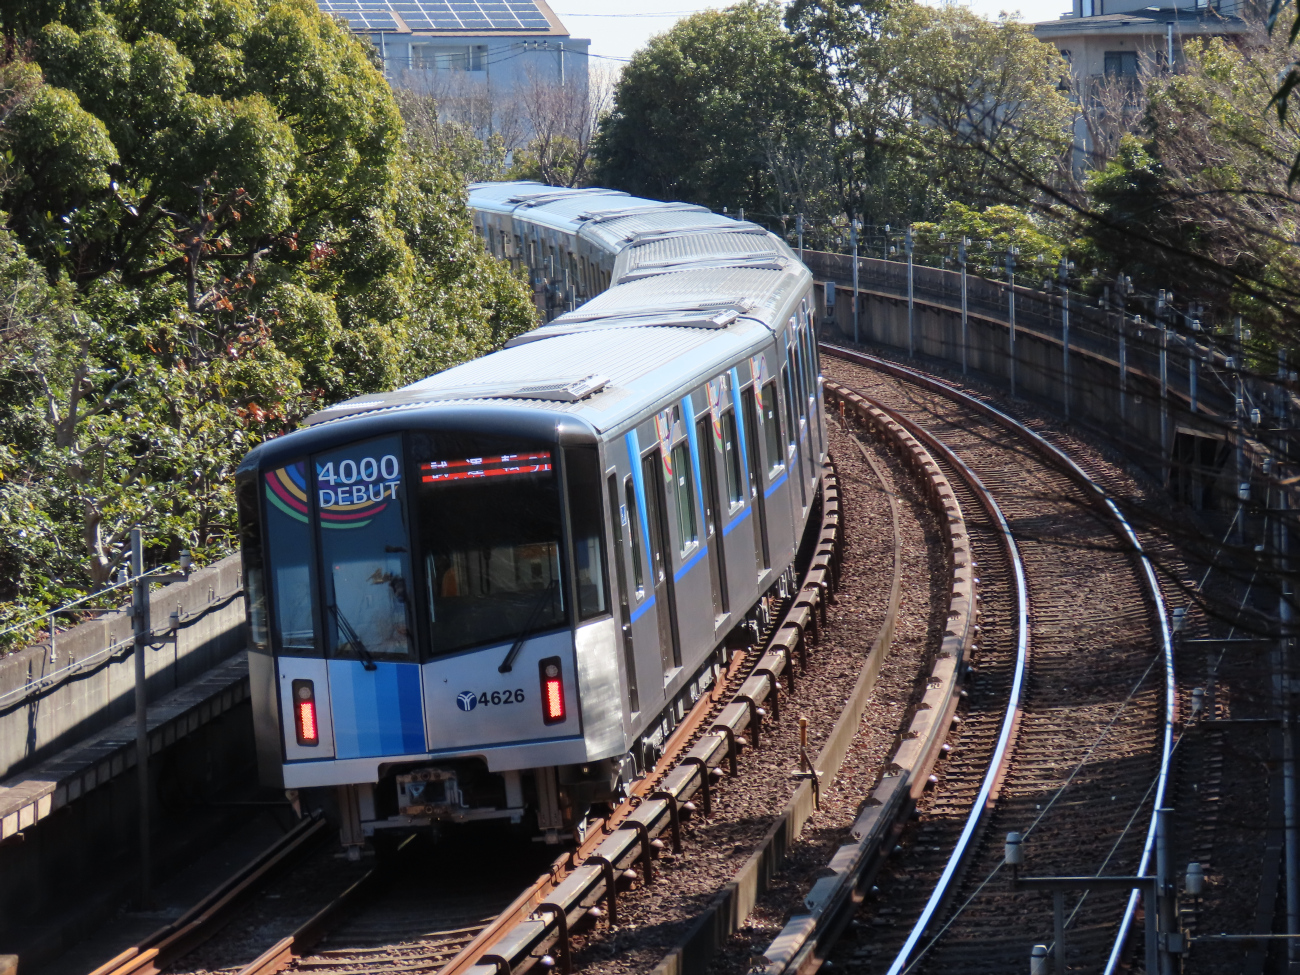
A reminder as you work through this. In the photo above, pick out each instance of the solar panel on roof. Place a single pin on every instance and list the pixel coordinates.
(434, 15)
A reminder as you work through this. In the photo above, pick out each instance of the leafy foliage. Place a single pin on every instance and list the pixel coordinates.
(1200, 200)
(696, 110)
(218, 223)
(990, 232)
(883, 111)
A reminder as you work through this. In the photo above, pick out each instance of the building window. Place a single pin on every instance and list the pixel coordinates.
(430, 57)
(1121, 64)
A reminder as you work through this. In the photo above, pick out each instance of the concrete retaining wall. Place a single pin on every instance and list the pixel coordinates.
(49, 700)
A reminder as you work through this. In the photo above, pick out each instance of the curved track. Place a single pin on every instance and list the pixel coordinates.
(426, 910)
(1090, 750)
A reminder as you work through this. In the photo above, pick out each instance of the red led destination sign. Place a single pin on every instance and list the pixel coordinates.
(472, 467)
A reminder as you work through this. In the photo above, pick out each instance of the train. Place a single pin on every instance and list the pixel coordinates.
(493, 593)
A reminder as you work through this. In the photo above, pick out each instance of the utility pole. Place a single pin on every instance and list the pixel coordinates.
(911, 302)
(140, 627)
(1243, 488)
(1164, 887)
(1121, 291)
(965, 321)
(853, 242)
(1011, 317)
(1162, 315)
(1064, 274)
(798, 223)
(143, 633)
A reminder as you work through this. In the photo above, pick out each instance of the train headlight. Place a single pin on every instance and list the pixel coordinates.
(552, 690)
(304, 713)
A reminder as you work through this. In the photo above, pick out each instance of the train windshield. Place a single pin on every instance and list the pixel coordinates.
(365, 550)
(487, 529)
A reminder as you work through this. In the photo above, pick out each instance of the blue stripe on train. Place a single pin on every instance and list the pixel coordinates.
(376, 712)
(640, 610)
(677, 577)
(736, 521)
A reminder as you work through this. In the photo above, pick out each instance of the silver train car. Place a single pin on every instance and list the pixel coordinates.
(491, 594)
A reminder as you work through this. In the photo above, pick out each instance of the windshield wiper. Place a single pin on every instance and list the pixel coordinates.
(367, 661)
(518, 645)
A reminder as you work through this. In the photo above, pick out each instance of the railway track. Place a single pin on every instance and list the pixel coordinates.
(989, 719)
(410, 915)
(415, 912)
(1087, 757)
(1067, 754)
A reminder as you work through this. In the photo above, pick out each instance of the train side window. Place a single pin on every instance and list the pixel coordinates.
(250, 545)
(290, 557)
(771, 412)
(634, 530)
(618, 523)
(809, 363)
(794, 355)
(687, 526)
(582, 473)
(790, 397)
(731, 460)
(800, 386)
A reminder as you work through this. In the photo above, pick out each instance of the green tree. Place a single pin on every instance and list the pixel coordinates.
(926, 103)
(234, 227)
(984, 94)
(1200, 200)
(695, 111)
(990, 232)
(852, 50)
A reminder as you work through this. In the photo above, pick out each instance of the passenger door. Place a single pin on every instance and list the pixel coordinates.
(661, 569)
(619, 522)
(712, 534)
(757, 482)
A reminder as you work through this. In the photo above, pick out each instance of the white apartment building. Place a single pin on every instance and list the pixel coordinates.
(487, 62)
(1114, 38)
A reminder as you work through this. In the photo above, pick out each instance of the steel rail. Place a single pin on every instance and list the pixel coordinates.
(157, 951)
(799, 946)
(1006, 735)
(630, 838)
(1076, 473)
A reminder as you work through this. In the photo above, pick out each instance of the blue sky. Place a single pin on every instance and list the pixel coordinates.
(618, 29)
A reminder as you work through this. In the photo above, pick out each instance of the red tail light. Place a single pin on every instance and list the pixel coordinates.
(304, 713)
(552, 690)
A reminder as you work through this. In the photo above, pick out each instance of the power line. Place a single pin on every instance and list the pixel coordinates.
(497, 57)
(668, 13)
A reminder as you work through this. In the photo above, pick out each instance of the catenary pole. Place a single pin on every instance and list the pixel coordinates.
(141, 626)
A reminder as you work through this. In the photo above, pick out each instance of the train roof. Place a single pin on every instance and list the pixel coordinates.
(692, 291)
(605, 376)
(610, 219)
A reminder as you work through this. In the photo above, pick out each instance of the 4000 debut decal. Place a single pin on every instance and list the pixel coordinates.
(349, 493)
